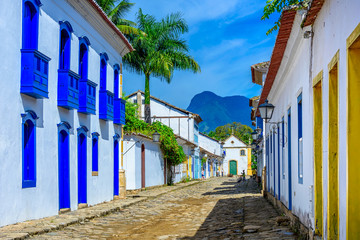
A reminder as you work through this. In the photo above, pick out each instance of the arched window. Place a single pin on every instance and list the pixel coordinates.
(64, 164)
(83, 57)
(242, 152)
(116, 81)
(103, 65)
(65, 45)
(29, 149)
(95, 153)
(30, 24)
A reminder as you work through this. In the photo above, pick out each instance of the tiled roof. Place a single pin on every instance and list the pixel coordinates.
(196, 116)
(311, 15)
(257, 70)
(287, 20)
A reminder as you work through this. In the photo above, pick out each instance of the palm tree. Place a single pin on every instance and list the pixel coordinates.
(160, 51)
(116, 10)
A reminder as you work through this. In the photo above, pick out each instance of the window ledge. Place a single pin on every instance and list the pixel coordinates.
(95, 173)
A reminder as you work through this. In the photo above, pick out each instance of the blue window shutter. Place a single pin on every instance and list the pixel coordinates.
(289, 160)
(29, 149)
(95, 152)
(30, 26)
(300, 141)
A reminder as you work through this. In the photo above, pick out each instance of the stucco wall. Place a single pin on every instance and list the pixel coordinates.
(18, 204)
(154, 163)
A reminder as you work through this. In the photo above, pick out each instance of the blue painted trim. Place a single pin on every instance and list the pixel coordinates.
(82, 164)
(85, 40)
(29, 149)
(104, 56)
(274, 162)
(116, 67)
(95, 151)
(30, 26)
(300, 131)
(116, 137)
(64, 126)
(279, 172)
(64, 164)
(283, 146)
(289, 159)
(36, 3)
(67, 26)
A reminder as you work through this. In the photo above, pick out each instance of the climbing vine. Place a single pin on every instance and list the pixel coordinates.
(172, 151)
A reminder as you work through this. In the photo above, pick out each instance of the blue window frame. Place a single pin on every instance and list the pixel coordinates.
(278, 156)
(267, 164)
(289, 159)
(29, 149)
(119, 103)
(116, 164)
(64, 164)
(82, 164)
(274, 162)
(95, 152)
(34, 64)
(283, 146)
(106, 98)
(300, 141)
(68, 81)
(87, 88)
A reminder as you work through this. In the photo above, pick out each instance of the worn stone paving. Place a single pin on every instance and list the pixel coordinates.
(219, 208)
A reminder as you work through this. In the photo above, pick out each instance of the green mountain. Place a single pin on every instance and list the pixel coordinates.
(218, 111)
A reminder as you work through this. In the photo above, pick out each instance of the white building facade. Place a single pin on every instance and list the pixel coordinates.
(185, 126)
(60, 90)
(211, 155)
(237, 157)
(312, 151)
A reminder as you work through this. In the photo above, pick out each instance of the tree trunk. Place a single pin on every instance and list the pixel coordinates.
(147, 99)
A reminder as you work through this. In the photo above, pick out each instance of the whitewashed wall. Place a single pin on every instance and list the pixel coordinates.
(233, 153)
(18, 204)
(154, 162)
(335, 22)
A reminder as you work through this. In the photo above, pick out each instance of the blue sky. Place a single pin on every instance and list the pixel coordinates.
(225, 37)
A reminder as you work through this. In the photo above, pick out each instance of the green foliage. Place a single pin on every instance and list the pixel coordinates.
(203, 161)
(172, 151)
(161, 51)
(273, 6)
(116, 11)
(240, 131)
(253, 161)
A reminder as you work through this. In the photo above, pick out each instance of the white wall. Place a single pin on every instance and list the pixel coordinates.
(154, 162)
(18, 204)
(232, 147)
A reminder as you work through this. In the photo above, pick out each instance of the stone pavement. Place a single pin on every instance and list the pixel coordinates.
(35, 227)
(219, 208)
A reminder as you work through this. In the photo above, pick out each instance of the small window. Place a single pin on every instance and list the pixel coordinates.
(242, 153)
(300, 141)
(95, 154)
(103, 70)
(29, 149)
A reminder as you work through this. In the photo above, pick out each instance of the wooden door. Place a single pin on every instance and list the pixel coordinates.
(142, 166)
(233, 167)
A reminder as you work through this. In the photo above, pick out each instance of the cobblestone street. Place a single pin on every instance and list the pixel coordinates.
(219, 208)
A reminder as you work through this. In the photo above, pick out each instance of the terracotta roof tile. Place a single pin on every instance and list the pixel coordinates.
(311, 15)
(287, 21)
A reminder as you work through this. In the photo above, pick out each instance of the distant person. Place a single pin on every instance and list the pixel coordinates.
(202, 174)
(222, 172)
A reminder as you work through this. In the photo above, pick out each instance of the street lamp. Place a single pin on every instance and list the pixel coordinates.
(156, 136)
(254, 135)
(266, 110)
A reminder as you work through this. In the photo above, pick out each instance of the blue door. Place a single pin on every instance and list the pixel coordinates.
(64, 170)
(289, 158)
(116, 168)
(82, 169)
